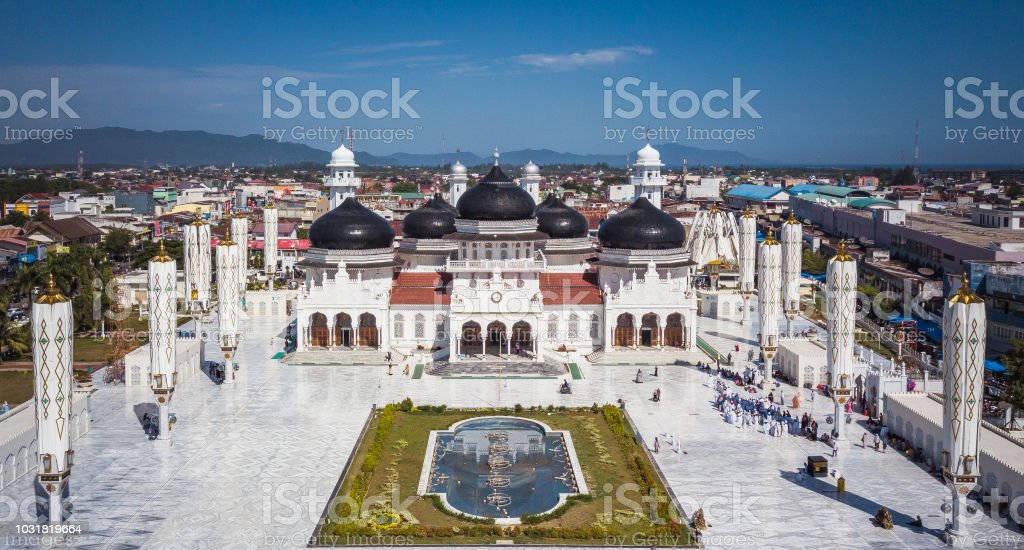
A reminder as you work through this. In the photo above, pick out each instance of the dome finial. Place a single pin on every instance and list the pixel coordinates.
(52, 295)
(842, 255)
(497, 155)
(964, 294)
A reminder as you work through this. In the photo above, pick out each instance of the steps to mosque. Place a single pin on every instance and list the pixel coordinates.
(497, 368)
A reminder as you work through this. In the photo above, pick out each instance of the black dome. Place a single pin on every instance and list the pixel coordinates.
(559, 221)
(495, 197)
(351, 226)
(642, 226)
(548, 200)
(439, 200)
(433, 220)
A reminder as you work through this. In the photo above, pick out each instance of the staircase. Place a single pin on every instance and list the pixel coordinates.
(337, 357)
(492, 369)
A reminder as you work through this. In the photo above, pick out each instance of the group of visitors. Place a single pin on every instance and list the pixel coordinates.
(754, 411)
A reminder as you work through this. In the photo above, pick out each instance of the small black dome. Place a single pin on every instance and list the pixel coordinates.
(351, 226)
(433, 220)
(559, 221)
(495, 197)
(548, 200)
(642, 226)
(439, 200)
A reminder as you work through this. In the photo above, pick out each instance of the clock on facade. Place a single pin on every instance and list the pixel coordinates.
(496, 297)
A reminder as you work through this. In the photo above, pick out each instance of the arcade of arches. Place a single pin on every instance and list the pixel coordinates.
(340, 333)
(496, 339)
(649, 332)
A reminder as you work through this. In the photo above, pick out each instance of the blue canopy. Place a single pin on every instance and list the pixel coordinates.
(994, 366)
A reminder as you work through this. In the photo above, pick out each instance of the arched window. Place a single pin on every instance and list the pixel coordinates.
(399, 326)
(574, 326)
(553, 327)
(595, 327)
(420, 325)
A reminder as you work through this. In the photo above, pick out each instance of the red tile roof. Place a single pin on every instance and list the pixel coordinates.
(412, 288)
(570, 288)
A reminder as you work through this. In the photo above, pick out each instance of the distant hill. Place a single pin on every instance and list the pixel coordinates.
(122, 146)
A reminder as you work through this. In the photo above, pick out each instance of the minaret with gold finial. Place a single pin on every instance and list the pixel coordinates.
(747, 254)
(163, 326)
(52, 349)
(240, 231)
(792, 251)
(198, 268)
(769, 298)
(840, 318)
(963, 358)
(228, 302)
(270, 241)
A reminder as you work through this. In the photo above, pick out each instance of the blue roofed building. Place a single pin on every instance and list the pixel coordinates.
(761, 197)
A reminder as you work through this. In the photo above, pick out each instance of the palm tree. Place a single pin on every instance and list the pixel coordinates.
(14, 340)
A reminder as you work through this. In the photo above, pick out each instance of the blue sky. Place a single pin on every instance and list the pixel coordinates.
(837, 84)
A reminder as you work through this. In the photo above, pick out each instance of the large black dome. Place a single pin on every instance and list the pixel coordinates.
(351, 226)
(642, 226)
(559, 221)
(439, 200)
(548, 200)
(433, 220)
(495, 197)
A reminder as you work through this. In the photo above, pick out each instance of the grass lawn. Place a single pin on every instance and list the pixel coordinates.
(15, 386)
(582, 522)
(92, 349)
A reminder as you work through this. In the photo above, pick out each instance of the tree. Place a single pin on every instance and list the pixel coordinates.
(814, 262)
(1013, 360)
(905, 176)
(15, 218)
(118, 242)
(174, 249)
(14, 340)
(40, 216)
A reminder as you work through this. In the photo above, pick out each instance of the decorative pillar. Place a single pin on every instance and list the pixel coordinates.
(769, 293)
(163, 325)
(840, 316)
(792, 260)
(270, 242)
(747, 259)
(240, 231)
(228, 302)
(963, 347)
(197, 264)
(52, 342)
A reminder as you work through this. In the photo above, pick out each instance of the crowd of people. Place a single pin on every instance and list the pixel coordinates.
(773, 418)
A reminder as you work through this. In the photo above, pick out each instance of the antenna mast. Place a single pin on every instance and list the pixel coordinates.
(917, 152)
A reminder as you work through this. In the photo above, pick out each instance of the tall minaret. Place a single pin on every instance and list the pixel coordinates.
(52, 342)
(163, 323)
(841, 319)
(240, 231)
(963, 356)
(792, 251)
(769, 294)
(457, 182)
(530, 182)
(747, 258)
(270, 241)
(647, 180)
(342, 183)
(198, 269)
(228, 302)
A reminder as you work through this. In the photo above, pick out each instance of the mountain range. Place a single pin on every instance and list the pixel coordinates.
(123, 146)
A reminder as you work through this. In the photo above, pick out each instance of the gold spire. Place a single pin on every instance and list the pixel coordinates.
(769, 239)
(162, 255)
(792, 219)
(198, 220)
(714, 208)
(842, 255)
(964, 294)
(748, 212)
(227, 237)
(239, 215)
(52, 295)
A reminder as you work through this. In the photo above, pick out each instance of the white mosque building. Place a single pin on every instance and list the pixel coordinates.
(497, 275)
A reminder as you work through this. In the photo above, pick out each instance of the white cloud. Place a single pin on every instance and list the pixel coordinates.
(577, 60)
(393, 46)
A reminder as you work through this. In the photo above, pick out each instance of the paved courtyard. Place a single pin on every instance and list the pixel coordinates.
(252, 464)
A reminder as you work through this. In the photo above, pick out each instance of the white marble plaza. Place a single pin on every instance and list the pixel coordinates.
(251, 464)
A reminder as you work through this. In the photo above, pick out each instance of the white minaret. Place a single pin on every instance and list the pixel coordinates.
(198, 269)
(52, 342)
(457, 182)
(841, 319)
(747, 258)
(963, 357)
(342, 183)
(769, 294)
(646, 179)
(228, 299)
(163, 325)
(530, 182)
(240, 232)
(270, 241)
(792, 251)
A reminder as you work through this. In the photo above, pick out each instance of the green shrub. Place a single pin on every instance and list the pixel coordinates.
(405, 405)
(519, 408)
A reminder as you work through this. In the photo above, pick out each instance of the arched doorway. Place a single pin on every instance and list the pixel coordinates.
(471, 342)
(674, 330)
(649, 330)
(497, 338)
(343, 330)
(624, 333)
(369, 336)
(318, 337)
(522, 338)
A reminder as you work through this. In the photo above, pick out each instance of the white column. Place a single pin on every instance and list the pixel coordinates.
(841, 311)
(228, 302)
(52, 343)
(198, 272)
(963, 346)
(769, 293)
(747, 259)
(792, 251)
(240, 233)
(163, 323)
(270, 242)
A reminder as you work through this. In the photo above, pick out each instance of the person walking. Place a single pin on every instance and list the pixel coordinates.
(657, 444)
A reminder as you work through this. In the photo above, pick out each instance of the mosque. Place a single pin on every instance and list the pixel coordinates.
(497, 275)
